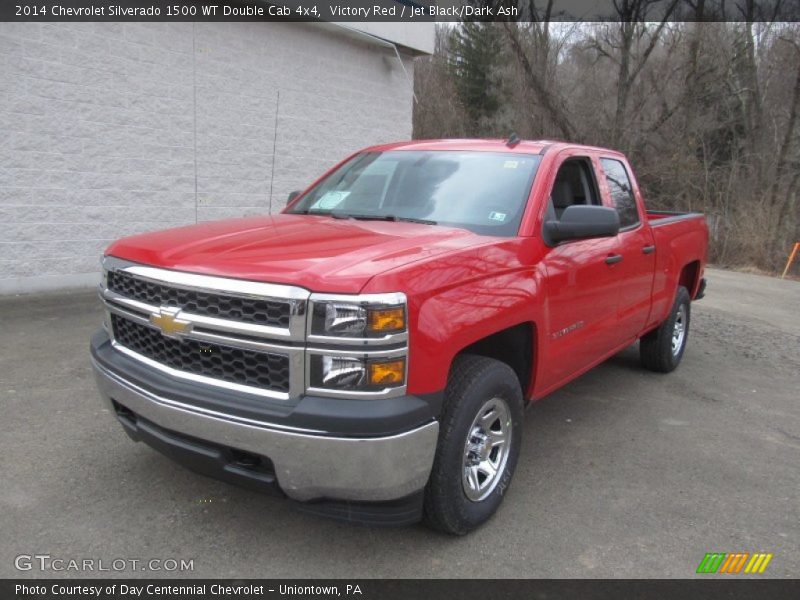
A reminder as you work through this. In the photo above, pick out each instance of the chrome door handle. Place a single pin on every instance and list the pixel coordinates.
(613, 259)
(648, 249)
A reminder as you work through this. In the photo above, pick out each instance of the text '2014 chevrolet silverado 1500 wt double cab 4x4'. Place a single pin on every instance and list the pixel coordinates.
(369, 352)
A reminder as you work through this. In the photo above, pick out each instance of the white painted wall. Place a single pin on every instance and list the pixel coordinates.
(111, 129)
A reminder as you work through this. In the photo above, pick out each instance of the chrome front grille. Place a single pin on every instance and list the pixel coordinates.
(222, 306)
(265, 370)
(242, 335)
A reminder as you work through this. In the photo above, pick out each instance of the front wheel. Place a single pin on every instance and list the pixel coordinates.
(661, 350)
(479, 442)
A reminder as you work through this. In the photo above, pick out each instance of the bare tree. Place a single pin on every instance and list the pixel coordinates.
(536, 71)
(629, 44)
(707, 110)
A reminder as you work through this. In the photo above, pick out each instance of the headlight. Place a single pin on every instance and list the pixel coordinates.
(332, 317)
(342, 319)
(341, 372)
(356, 373)
(357, 345)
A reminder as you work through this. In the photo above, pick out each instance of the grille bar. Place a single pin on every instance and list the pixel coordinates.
(258, 311)
(234, 365)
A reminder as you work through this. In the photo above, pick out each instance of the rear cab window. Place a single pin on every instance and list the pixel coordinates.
(621, 192)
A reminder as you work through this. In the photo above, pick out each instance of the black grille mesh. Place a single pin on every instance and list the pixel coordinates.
(246, 367)
(233, 308)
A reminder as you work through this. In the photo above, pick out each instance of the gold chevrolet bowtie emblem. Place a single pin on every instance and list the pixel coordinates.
(166, 319)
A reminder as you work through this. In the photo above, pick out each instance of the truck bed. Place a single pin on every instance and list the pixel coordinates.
(681, 240)
(662, 217)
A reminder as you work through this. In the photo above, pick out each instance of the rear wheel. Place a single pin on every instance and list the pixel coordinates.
(479, 442)
(662, 349)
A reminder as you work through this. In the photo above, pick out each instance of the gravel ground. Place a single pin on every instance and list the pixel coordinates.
(623, 473)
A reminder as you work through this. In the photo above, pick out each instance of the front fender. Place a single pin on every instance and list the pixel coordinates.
(458, 317)
(458, 298)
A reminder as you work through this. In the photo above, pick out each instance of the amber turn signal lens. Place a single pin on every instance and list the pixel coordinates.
(387, 319)
(387, 373)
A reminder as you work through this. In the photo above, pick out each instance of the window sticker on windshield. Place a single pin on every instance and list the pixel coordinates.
(511, 164)
(497, 216)
(330, 200)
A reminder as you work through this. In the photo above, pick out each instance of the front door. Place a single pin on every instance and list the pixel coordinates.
(582, 283)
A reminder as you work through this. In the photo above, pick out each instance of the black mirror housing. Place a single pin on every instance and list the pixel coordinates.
(293, 195)
(581, 221)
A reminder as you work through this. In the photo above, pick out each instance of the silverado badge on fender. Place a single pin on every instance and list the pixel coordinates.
(166, 319)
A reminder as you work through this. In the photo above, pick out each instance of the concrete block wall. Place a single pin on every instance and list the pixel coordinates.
(111, 129)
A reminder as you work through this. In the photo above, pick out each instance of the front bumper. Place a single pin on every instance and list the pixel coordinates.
(307, 467)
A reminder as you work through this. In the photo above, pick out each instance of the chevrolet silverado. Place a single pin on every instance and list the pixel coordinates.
(369, 352)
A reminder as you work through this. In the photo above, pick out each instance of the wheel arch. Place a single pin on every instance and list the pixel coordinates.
(515, 346)
(690, 278)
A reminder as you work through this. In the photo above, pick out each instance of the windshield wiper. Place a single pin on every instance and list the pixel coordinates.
(308, 211)
(340, 215)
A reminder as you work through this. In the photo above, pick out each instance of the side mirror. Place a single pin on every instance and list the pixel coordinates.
(293, 195)
(582, 221)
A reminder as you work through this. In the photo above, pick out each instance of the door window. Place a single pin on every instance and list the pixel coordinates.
(574, 184)
(619, 185)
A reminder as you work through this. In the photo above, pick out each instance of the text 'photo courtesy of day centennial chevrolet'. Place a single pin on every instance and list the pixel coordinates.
(369, 352)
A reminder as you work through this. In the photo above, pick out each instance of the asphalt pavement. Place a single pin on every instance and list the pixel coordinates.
(623, 473)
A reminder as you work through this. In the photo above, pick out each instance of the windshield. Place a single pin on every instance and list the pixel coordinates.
(484, 192)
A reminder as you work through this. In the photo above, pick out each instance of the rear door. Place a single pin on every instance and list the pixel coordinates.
(637, 250)
(581, 281)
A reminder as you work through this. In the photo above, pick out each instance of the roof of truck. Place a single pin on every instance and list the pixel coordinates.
(485, 145)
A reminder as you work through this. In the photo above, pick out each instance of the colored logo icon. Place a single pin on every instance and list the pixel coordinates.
(734, 562)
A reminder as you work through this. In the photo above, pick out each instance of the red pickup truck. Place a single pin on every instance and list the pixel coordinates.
(369, 352)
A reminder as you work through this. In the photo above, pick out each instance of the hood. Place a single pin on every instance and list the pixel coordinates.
(319, 253)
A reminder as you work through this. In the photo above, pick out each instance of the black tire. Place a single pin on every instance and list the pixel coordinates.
(474, 382)
(656, 348)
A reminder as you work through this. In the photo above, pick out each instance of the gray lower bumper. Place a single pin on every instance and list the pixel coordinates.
(307, 467)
